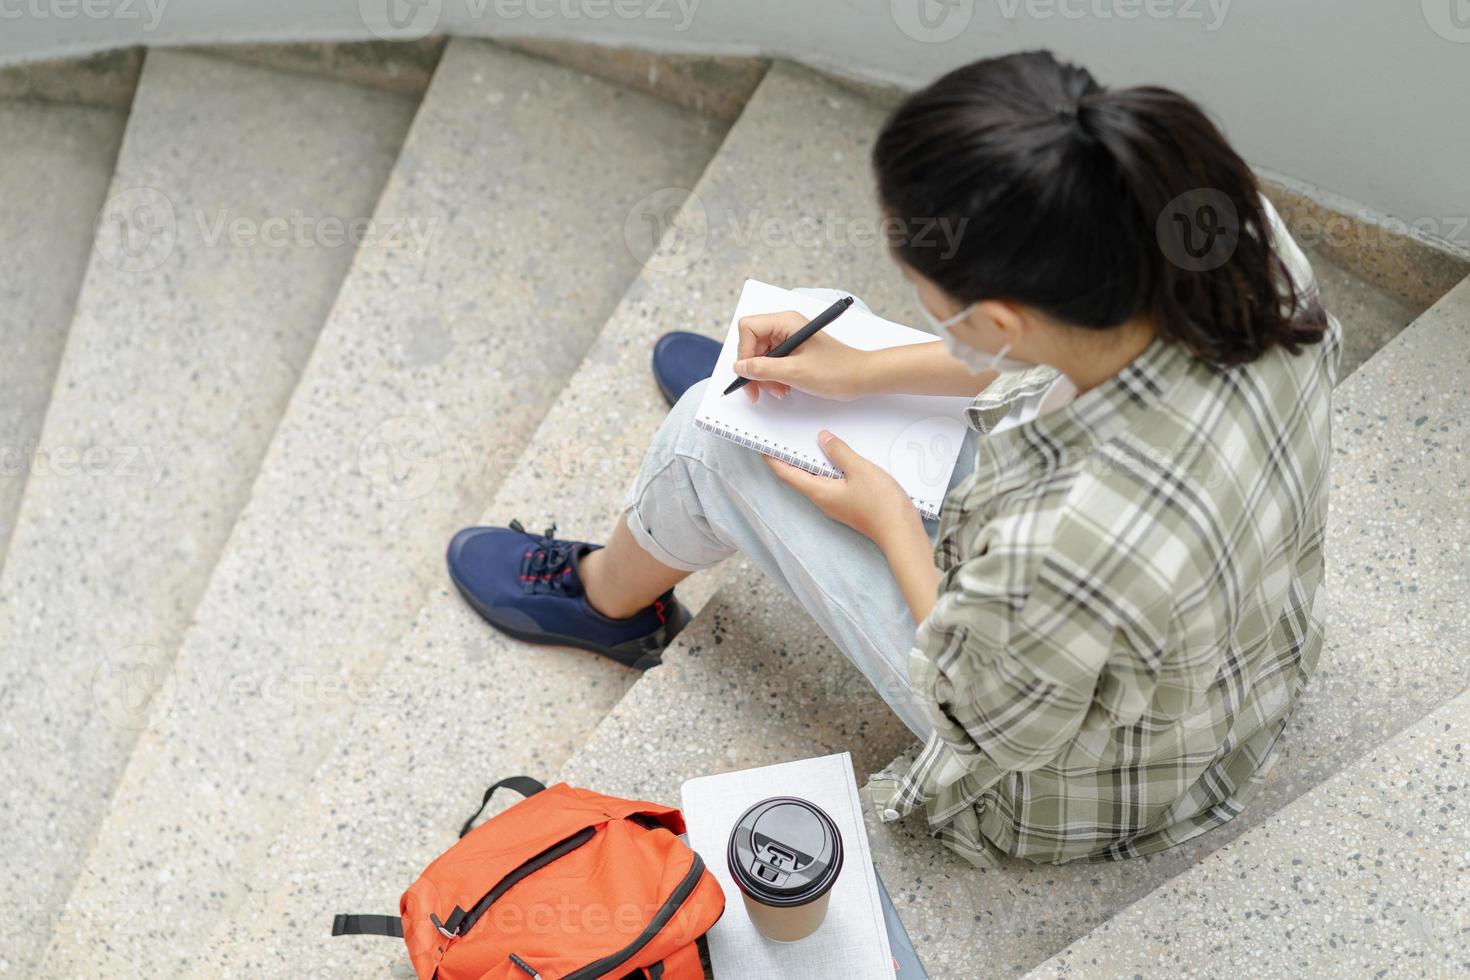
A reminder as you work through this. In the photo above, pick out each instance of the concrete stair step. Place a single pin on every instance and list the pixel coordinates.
(752, 682)
(1370, 315)
(186, 343)
(53, 180)
(448, 343)
(460, 704)
(1368, 874)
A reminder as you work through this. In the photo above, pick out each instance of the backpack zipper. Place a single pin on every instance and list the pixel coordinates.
(525, 967)
(661, 918)
(530, 866)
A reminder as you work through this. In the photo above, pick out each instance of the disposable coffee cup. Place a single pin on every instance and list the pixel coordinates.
(785, 854)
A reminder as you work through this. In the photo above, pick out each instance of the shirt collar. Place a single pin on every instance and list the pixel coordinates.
(1086, 421)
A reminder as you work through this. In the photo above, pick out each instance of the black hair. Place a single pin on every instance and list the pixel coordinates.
(1091, 205)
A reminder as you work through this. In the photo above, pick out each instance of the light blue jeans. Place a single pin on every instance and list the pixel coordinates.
(699, 498)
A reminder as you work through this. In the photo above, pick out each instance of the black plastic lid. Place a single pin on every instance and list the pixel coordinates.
(785, 851)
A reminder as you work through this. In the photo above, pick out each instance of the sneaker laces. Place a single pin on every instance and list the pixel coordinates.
(546, 564)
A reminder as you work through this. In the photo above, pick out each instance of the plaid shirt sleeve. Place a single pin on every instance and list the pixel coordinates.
(993, 712)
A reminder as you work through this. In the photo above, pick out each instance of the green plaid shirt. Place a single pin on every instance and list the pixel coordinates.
(1130, 606)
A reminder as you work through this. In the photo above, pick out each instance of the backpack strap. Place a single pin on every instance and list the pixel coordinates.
(524, 785)
(368, 925)
(392, 925)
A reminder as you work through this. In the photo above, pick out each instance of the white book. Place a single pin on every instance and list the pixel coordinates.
(916, 438)
(852, 942)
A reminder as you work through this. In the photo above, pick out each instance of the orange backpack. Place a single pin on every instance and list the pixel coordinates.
(565, 885)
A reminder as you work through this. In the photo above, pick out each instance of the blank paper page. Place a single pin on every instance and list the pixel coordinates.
(916, 438)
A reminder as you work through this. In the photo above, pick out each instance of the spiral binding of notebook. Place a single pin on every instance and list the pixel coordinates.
(788, 454)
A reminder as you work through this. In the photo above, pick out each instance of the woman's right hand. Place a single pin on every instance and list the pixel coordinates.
(823, 366)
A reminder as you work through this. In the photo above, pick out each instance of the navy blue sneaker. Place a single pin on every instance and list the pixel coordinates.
(681, 360)
(527, 586)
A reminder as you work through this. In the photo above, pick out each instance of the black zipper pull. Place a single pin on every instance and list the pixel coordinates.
(527, 968)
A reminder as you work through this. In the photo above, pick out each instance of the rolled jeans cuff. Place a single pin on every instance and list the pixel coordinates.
(649, 543)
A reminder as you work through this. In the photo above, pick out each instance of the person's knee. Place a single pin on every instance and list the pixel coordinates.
(688, 438)
(674, 430)
(688, 404)
(712, 453)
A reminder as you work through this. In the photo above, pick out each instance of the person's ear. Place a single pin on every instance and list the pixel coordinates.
(1005, 317)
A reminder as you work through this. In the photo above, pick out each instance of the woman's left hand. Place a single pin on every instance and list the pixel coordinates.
(866, 499)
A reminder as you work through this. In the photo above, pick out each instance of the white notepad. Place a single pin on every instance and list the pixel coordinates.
(916, 438)
(852, 942)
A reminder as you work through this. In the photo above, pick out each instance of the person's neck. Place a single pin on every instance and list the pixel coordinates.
(1102, 354)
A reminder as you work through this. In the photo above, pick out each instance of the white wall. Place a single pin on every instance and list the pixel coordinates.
(1369, 99)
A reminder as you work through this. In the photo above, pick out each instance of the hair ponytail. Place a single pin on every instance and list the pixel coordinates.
(1093, 206)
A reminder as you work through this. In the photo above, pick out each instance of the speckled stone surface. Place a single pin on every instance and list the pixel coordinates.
(1413, 271)
(716, 85)
(447, 345)
(752, 681)
(53, 178)
(1368, 875)
(404, 67)
(183, 351)
(735, 693)
(462, 705)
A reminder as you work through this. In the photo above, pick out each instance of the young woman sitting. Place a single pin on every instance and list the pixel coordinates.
(1102, 637)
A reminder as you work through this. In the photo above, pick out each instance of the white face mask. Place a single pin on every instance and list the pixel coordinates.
(975, 360)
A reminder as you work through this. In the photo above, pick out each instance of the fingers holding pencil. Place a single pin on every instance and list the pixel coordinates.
(762, 330)
(759, 335)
